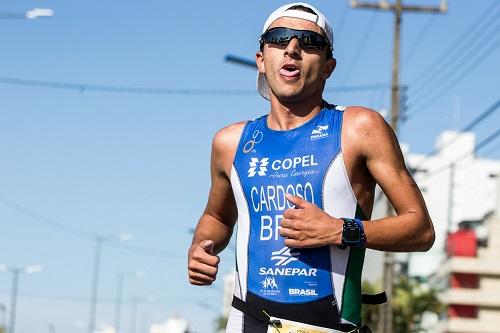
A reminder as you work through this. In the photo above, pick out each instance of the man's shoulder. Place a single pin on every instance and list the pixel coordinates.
(228, 137)
(363, 120)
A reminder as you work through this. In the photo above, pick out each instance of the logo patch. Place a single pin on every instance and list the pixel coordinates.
(302, 292)
(256, 138)
(285, 256)
(319, 132)
(269, 283)
(260, 164)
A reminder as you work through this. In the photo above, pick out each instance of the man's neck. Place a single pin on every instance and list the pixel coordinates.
(289, 115)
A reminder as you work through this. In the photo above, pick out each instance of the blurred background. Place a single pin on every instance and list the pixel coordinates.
(107, 113)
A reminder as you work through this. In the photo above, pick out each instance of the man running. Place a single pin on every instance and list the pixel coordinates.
(300, 181)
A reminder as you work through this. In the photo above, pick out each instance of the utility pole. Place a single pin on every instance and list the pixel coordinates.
(15, 281)
(119, 292)
(99, 240)
(385, 321)
(118, 304)
(16, 271)
(451, 189)
(133, 314)
(95, 283)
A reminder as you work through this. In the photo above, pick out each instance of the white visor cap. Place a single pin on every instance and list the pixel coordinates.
(319, 19)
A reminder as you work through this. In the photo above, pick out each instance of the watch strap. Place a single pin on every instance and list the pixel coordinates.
(353, 223)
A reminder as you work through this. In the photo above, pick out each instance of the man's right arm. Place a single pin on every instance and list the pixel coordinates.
(215, 226)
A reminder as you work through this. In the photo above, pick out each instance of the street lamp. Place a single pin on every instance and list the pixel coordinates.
(134, 305)
(118, 305)
(99, 240)
(241, 61)
(30, 14)
(16, 271)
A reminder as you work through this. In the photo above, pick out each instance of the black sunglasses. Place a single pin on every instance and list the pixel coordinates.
(308, 40)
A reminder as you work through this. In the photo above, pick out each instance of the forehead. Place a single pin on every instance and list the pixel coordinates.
(296, 23)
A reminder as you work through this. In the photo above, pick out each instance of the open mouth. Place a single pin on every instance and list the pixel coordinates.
(290, 71)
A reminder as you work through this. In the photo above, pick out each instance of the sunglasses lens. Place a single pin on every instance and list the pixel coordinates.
(277, 36)
(311, 40)
(307, 39)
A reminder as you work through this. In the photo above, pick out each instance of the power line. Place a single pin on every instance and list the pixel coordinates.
(88, 236)
(480, 145)
(487, 140)
(147, 251)
(44, 220)
(83, 87)
(340, 26)
(463, 56)
(489, 111)
(490, 151)
(80, 299)
(361, 87)
(415, 45)
(366, 35)
(479, 24)
(433, 77)
(459, 76)
(476, 121)
(373, 97)
(383, 93)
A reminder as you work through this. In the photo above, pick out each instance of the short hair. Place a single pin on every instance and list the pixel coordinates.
(303, 8)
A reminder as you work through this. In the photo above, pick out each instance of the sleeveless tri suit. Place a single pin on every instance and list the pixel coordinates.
(319, 286)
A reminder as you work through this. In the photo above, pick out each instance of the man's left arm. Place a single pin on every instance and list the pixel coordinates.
(410, 230)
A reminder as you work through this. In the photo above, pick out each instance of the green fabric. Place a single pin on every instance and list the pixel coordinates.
(351, 296)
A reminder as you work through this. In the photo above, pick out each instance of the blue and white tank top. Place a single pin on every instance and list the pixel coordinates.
(306, 162)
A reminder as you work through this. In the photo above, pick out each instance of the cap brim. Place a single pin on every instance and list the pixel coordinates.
(262, 86)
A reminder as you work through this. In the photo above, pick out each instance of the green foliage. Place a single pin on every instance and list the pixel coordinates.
(220, 324)
(370, 313)
(410, 300)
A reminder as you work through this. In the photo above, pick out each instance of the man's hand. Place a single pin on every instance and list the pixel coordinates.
(202, 263)
(307, 226)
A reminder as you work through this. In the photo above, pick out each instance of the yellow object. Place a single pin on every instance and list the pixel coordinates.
(288, 326)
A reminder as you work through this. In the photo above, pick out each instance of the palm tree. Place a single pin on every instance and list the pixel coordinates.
(220, 323)
(410, 300)
(370, 313)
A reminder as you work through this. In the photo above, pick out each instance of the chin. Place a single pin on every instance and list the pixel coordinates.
(289, 98)
(293, 96)
(289, 94)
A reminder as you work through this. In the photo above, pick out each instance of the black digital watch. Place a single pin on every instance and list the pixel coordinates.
(353, 233)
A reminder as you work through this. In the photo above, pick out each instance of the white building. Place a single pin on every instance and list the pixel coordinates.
(457, 186)
(172, 325)
(472, 278)
(105, 329)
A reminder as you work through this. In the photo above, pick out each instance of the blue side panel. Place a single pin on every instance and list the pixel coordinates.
(270, 164)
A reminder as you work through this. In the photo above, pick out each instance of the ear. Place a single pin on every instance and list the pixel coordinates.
(330, 67)
(259, 60)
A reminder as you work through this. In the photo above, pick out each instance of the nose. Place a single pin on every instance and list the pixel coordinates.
(293, 48)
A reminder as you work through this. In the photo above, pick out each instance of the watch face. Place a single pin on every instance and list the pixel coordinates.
(352, 234)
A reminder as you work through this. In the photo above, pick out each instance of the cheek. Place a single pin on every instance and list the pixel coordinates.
(317, 66)
(315, 72)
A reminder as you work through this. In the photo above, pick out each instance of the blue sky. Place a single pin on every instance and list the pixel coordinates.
(103, 163)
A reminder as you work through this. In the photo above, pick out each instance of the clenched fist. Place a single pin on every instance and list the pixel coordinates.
(202, 263)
